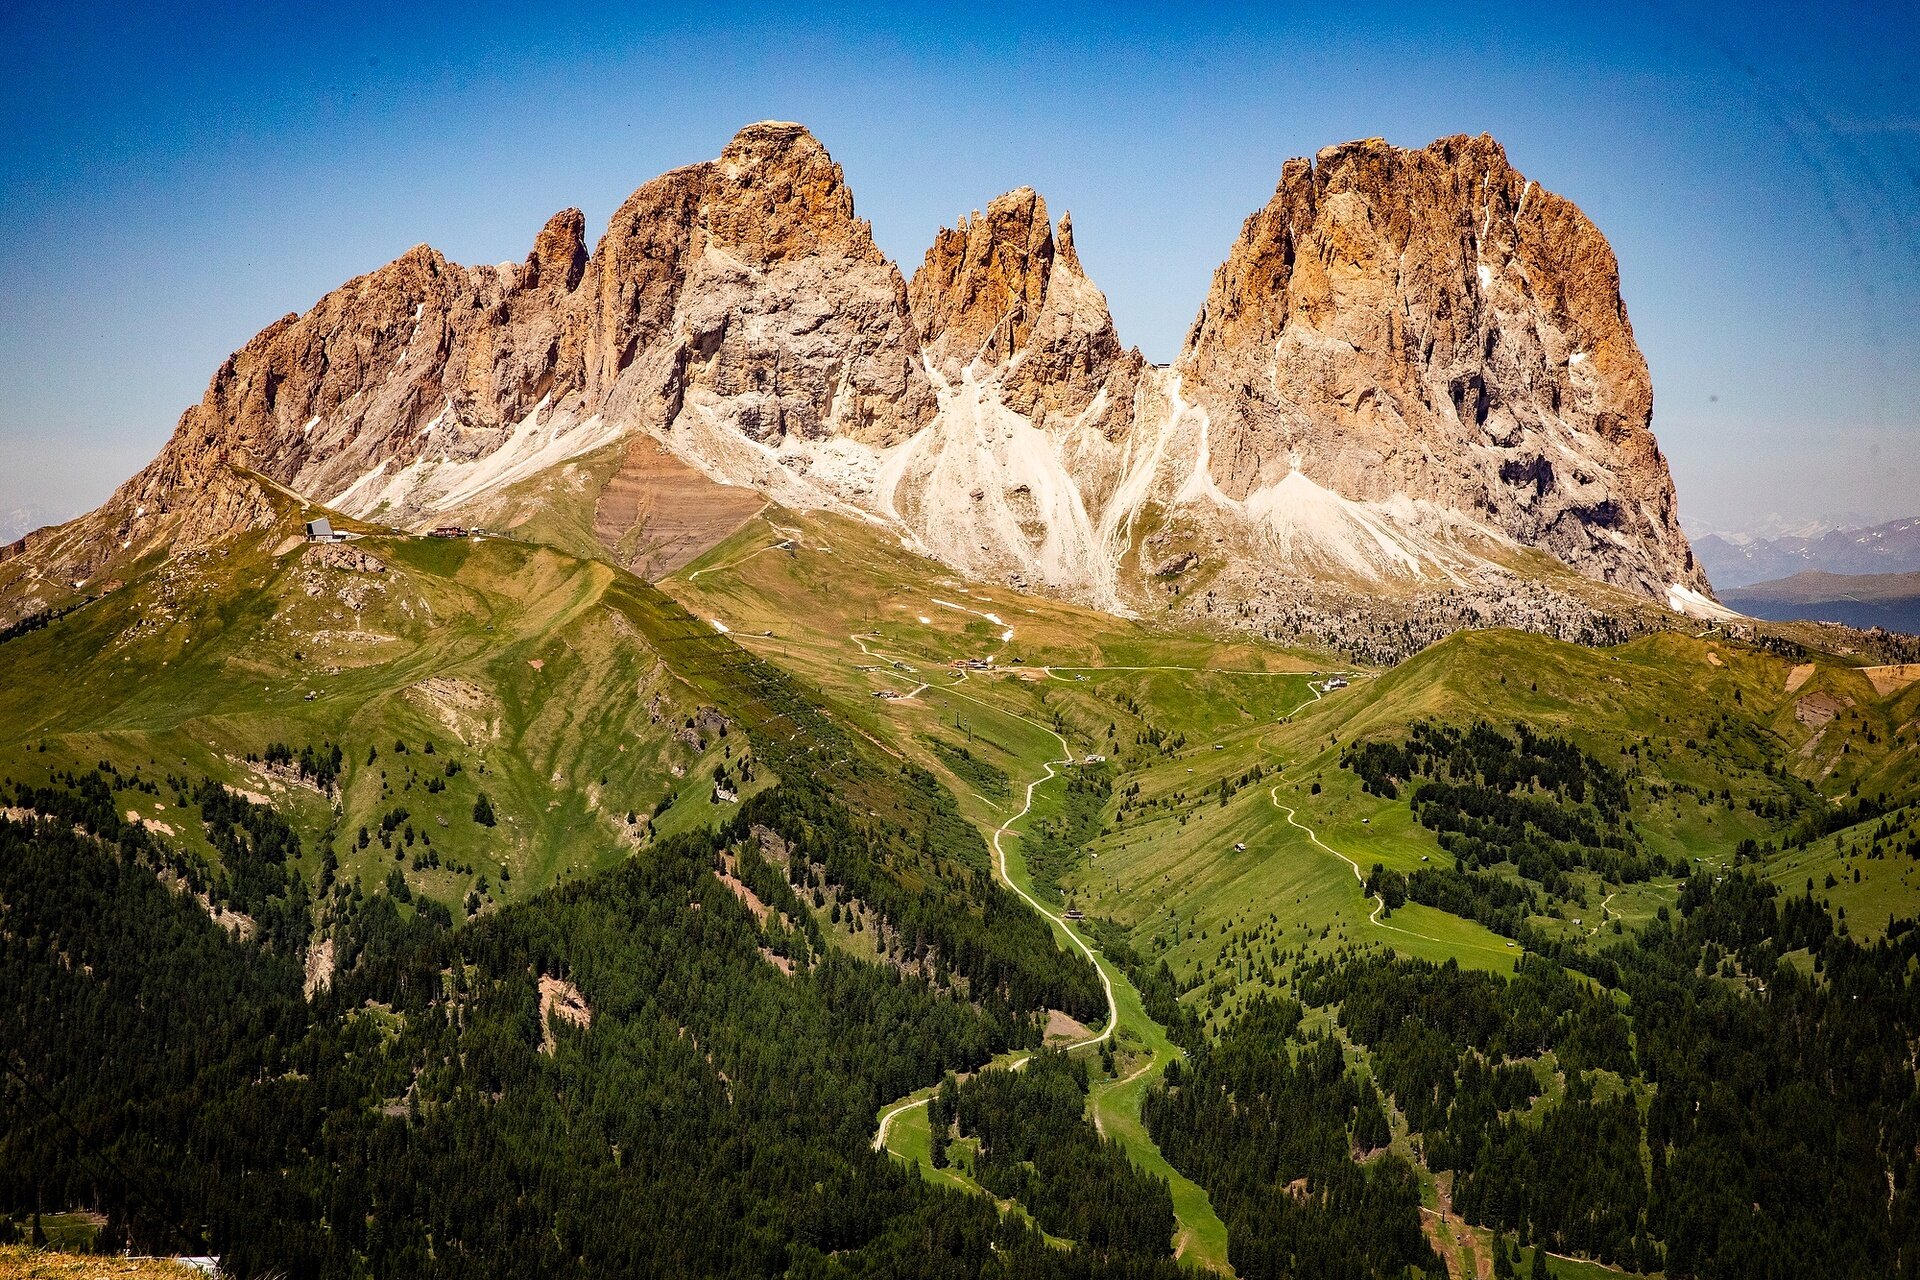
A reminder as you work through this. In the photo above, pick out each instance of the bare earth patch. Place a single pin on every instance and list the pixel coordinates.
(151, 824)
(1799, 676)
(468, 711)
(1062, 1025)
(319, 967)
(237, 923)
(657, 513)
(560, 999)
(726, 877)
(1892, 679)
(1816, 709)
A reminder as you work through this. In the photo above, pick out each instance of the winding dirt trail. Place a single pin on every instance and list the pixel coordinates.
(1293, 818)
(1000, 863)
(1379, 903)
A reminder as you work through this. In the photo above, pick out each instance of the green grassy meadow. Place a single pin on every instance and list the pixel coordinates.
(595, 713)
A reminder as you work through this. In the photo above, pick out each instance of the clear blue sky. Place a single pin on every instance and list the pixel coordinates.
(172, 180)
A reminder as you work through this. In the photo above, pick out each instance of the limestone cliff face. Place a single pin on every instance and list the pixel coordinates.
(1412, 367)
(747, 288)
(1003, 292)
(416, 364)
(733, 306)
(1431, 325)
(1036, 396)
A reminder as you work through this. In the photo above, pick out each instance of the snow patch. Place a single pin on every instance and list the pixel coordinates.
(439, 417)
(1694, 604)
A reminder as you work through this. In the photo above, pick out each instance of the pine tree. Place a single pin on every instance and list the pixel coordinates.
(1539, 1269)
(483, 810)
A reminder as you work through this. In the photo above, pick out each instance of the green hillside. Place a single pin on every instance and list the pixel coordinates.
(394, 873)
(1235, 843)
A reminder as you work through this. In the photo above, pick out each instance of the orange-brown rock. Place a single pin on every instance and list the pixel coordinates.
(737, 299)
(1412, 366)
(1004, 290)
(1429, 324)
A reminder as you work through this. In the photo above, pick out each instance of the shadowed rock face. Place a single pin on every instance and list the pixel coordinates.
(1430, 323)
(1402, 346)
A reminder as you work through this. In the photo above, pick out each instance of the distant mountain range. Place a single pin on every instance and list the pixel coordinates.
(1890, 600)
(20, 521)
(1775, 525)
(1888, 548)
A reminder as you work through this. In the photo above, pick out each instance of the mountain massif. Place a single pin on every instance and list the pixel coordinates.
(1412, 373)
(725, 874)
(1892, 547)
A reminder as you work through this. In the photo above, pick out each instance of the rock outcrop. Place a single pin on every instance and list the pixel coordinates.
(1007, 294)
(731, 306)
(1036, 396)
(1430, 325)
(1413, 369)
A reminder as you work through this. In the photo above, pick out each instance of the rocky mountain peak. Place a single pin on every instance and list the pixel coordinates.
(1413, 366)
(1005, 292)
(1063, 244)
(559, 256)
(1429, 324)
(775, 193)
(980, 290)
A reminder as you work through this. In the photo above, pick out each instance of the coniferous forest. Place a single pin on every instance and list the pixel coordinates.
(715, 1118)
(1728, 1092)
(1725, 1113)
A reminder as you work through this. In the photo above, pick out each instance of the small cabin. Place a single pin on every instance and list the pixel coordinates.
(321, 530)
(1336, 683)
(1075, 913)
